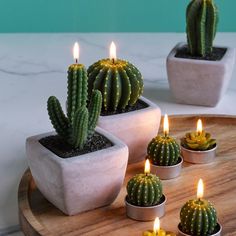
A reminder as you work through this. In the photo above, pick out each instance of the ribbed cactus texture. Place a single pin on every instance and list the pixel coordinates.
(202, 19)
(163, 151)
(144, 190)
(81, 121)
(120, 83)
(198, 141)
(198, 218)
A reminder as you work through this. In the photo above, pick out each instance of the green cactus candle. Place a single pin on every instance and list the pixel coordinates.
(163, 150)
(202, 19)
(79, 124)
(120, 82)
(198, 217)
(144, 189)
(198, 140)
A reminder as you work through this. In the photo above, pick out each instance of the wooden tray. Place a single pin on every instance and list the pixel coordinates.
(39, 217)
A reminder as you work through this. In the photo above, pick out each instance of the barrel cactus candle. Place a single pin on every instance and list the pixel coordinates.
(119, 81)
(163, 151)
(79, 124)
(202, 19)
(145, 200)
(198, 146)
(198, 217)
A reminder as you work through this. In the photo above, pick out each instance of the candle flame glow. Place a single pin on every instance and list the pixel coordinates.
(113, 51)
(200, 189)
(166, 125)
(199, 126)
(76, 52)
(156, 226)
(147, 167)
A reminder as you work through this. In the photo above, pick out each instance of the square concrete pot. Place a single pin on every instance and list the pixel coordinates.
(135, 128)
(79, 183)
(199, 82)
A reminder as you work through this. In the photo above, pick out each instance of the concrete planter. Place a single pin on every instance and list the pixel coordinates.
(135, 128)
(79, 183)
(199, 82)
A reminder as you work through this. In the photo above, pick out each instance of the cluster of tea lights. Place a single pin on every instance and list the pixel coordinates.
(199, 139)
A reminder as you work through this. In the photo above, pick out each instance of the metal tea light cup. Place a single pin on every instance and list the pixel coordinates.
(217, 232)
(145, 213)
(167, 172)
(198, 157)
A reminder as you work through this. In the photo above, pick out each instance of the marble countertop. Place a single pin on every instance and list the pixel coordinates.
(34, 66)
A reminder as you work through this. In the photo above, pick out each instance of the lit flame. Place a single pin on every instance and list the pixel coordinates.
(147, 167)
(200, 189)
(199, 126)
(113, 51)
(76, 52)
(166, 125)
(156, 226)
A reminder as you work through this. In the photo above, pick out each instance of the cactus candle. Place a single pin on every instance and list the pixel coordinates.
(164, 154)
(198, 217)
(145, 200)
(157, 231)
(198, 146)
(120, 82)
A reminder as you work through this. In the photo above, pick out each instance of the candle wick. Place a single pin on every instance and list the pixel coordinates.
(113, 60)
(76, 61)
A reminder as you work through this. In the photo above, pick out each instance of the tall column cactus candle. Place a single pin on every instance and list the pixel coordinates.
(145, 198)
(202, 19)
(198, 217)
(119, 81)
(79, 124)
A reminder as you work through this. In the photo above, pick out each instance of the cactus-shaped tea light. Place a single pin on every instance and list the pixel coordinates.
(164, 154)
(119, 81)
(157, 231)
(198, 217)
(198, 147)
(145, 200)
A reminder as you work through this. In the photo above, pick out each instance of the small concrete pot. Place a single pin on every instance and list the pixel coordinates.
(217, 232)
(199, 82)
(145, 213)
(135, 128)
(167, 172)
(198, 157)
(79, 183)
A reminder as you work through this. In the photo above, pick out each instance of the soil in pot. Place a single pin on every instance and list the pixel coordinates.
(137, 106)
(62, 149)
(217, 54)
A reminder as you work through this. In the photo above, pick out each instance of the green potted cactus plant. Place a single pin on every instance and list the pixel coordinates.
(125, 113)
(198, 72)
(70, 167)
(198, 146)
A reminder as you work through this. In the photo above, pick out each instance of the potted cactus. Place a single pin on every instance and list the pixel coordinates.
(145, 199)
(70, 167)
(132, 118)
(198, 72)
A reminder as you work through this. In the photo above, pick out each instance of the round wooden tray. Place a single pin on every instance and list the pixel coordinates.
(39, 217)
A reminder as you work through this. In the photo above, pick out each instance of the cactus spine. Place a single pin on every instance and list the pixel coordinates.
(198, 217)
(81, 121)
(202, 19)
(144, 190)
(120, 83)
(198, 141)
(163, 151)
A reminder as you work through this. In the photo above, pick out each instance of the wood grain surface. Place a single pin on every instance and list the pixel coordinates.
(39, 217)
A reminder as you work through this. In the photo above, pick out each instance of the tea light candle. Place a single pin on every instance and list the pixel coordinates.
(157, 231)
(198, 216)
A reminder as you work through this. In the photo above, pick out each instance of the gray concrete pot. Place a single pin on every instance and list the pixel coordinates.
(199, 82)
(217, 232)
(167, 172)
(135, 128)
(79, 183)
(198, 157)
